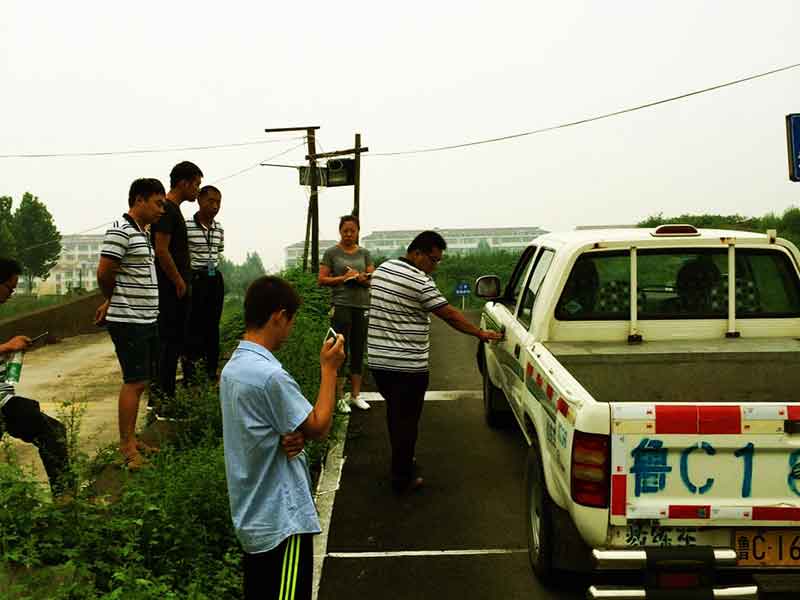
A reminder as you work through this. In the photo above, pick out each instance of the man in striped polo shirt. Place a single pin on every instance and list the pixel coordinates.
(206, 244)
(126, 276)
(22, 417)
(402, 296)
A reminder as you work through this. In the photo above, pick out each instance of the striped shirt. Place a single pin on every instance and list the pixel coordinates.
(135, 297)
(6, 389)
(205, 245)
(401, 300)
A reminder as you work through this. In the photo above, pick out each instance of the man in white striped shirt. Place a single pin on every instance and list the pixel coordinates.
(126, 276)
(402, 296)
(206, 244)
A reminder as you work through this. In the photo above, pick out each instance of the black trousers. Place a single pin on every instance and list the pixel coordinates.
(352, 324)
(202, 331)
(404, 393)
(283, 573)
(22, 418)
(172, 315)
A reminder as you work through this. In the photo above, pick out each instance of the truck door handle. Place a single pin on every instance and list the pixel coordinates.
(516, 351)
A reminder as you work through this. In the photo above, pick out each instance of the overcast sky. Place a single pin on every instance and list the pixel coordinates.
(98, 76)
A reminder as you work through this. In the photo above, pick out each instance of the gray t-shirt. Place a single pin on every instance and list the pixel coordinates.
(350, 293)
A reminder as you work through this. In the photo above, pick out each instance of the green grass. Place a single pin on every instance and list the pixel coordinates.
(20, 304)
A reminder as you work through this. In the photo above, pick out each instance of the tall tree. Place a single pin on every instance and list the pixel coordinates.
(8, 246)
(252, 268)
(37, 239)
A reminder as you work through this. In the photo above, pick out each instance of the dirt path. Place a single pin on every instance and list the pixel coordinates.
(79, 369)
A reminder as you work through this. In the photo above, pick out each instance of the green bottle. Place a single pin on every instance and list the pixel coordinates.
(14, 367)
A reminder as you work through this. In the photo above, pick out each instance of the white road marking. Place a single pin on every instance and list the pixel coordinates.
(433, 396)
(399, 553)
(328, 484)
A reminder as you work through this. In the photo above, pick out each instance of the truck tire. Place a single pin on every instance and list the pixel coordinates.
(495, 406)
(538, 516)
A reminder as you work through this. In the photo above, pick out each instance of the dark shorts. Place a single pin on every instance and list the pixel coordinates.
(137, 349)
(352, 324)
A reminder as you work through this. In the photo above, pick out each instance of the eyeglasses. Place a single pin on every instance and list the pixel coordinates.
(434, 259)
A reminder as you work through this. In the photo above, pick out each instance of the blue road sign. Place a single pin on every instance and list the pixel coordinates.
(793, 144)
(462, 289)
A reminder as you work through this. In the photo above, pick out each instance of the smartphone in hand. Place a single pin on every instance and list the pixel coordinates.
(330, 335)
(41, 336)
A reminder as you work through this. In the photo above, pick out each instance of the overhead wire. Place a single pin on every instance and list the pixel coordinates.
(586, 120)
(261, 162)
(402, 152)
(226, 177)
(149, 150)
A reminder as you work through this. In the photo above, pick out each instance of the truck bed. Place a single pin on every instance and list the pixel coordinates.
(724, 370)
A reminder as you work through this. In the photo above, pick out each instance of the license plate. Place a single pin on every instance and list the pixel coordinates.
(769, 548)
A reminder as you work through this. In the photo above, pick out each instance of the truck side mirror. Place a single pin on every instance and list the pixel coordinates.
(488, 287)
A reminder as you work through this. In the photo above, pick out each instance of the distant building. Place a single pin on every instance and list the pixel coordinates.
(76, 267)
(585, 227)
(459, 241)
(294, 253)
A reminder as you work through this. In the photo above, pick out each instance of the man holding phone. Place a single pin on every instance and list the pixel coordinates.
(23, 418)
(263, 413)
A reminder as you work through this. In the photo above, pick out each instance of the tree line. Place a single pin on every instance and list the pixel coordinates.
(29, 235)
(787, 224)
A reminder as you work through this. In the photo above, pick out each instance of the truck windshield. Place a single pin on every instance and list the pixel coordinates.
(682, 284)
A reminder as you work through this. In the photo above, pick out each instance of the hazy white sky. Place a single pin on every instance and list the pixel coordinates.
(96, 76)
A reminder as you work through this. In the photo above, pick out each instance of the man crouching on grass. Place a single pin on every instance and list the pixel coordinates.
(265, 419)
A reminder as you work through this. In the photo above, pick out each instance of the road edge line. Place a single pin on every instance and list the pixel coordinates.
(329, 481)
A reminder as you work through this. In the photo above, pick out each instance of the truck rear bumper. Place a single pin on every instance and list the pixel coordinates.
(623, 560)
(745, 592)
(702, 560)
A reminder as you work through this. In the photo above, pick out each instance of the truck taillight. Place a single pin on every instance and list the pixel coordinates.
(590, 469)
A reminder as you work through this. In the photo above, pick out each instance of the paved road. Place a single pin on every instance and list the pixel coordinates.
(461, 536)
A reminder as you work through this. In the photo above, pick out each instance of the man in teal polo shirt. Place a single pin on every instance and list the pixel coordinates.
(263, 410)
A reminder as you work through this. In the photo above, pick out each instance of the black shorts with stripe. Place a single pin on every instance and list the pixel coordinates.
(283, 573)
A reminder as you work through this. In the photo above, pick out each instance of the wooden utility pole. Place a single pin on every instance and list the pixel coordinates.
(357, 178)
(308, 236)
(313, 201)
(313, 205)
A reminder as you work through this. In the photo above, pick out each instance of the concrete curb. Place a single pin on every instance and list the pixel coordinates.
(325, 494)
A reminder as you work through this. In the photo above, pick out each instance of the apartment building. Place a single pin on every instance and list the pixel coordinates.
(76, 267)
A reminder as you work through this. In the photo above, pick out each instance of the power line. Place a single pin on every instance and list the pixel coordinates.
(240, 172)
(149, 150)
(260, 162)
(587, 120)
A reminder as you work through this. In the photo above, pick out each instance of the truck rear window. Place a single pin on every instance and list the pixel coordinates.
(684, 284)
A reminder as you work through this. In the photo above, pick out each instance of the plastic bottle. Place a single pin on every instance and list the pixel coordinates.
(14, 367)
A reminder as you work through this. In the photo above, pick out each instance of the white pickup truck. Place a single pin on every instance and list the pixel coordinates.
(655, 374)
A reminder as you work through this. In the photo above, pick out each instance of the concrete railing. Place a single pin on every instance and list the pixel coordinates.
(64, 320)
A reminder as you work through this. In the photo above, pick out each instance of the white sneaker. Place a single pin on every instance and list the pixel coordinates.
(343, 406)
(358, 402)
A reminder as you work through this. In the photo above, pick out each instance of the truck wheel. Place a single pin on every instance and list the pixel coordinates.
(538, 517)
(495, 406)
